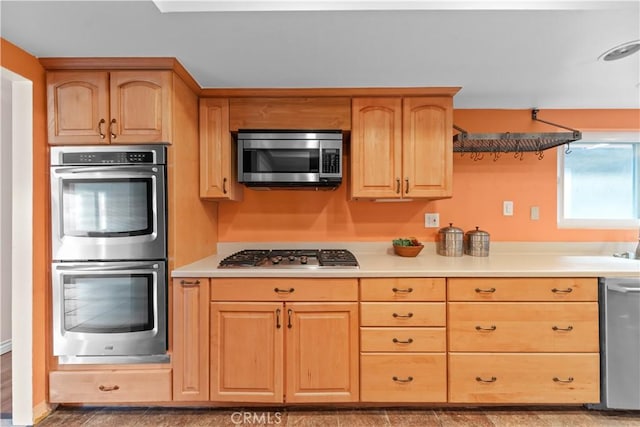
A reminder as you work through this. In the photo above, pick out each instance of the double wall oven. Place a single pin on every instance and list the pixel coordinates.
(109, 251)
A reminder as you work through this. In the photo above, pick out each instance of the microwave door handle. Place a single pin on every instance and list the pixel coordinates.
(107, 169)
(107, 268)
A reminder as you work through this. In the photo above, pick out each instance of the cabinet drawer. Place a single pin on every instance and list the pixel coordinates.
(524, 327)
(523, 289)
(403, 289)
(403, 339)
(406, 377)
(524, 378)
(402, 314)
(124, 386)
(276, 289)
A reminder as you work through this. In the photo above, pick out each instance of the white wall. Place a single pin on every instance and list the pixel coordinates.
(5, 217)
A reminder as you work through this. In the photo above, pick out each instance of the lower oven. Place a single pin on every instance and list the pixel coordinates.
(110, 312)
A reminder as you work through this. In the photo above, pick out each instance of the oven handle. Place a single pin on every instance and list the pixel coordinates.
(108, 169)
(108, 268)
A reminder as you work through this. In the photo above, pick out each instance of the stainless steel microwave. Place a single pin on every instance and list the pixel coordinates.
(290, 158)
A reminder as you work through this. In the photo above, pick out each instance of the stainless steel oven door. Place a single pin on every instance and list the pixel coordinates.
(108, 212)
(109, 309)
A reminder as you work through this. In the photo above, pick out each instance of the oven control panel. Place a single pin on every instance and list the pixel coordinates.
(112, 157)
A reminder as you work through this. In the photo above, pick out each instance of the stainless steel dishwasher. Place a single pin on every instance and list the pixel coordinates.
(619, 343)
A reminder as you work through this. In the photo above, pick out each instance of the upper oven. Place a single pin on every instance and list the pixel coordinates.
(108, 203)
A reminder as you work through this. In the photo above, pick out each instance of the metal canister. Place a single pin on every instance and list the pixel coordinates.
(450, 241)
(476, 242)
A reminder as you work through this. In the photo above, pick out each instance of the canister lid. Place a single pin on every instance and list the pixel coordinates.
(477, 232)
(450, 230)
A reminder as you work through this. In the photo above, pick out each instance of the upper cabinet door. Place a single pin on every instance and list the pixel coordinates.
(376, 147)
(78, 107)
(427, 155)
(217, 155)
(140, 107)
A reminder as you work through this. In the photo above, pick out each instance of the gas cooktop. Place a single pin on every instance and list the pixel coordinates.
(290, 258)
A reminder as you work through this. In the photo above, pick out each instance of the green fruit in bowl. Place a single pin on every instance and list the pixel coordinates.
(410, 241)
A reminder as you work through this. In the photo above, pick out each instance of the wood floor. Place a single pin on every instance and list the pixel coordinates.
(405, 417)
(5, 385)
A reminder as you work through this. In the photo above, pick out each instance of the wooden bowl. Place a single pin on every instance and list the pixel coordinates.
(408, 251)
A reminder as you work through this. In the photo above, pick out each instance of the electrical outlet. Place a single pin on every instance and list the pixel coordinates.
(431, 220)
(507, 208)
(535, 213)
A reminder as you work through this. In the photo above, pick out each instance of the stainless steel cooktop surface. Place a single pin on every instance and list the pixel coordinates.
(290, 258)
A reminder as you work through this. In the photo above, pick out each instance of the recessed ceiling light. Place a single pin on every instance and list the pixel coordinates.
(621, 51)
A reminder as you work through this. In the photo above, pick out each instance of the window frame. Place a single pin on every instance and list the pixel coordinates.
(612, 137)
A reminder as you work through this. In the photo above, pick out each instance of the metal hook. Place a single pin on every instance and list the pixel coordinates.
(519, 155)
(568, 149)
(496, 156)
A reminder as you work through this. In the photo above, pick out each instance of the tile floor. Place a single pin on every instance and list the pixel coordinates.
(372, 417)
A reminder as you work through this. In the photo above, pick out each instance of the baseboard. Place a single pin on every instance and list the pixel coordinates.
(5, 346)
(42, 410)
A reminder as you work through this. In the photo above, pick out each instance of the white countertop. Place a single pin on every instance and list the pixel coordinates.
(378, 260)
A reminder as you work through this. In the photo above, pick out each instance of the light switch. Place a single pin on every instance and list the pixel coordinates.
(431, 220)
(535, 213)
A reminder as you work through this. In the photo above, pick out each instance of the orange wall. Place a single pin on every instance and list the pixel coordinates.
(20, 62)
(479, 187)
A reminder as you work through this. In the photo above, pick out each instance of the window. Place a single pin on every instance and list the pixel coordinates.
(599, 181)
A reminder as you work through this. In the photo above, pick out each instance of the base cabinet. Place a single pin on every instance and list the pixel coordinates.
(283, 351)
(117, 386)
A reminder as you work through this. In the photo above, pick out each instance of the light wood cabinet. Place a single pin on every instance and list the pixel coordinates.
(218, 176)
(403, 340)
(102, 107)
(113, 386)
(267, 350)
(523, 340)
(401, 147)
(190, 357)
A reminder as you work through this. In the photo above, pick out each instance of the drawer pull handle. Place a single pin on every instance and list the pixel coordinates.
(278, 319)
(188, 283)
(402, 291)
(400, 380)
(408, 341)
(490, 328)
(568, 328)
(109, 388)
(284, 291)
(485, 291)
(558, 380)
(403, 316)
(562, 291)
(482, 380)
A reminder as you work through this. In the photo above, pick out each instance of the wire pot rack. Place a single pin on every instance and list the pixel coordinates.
(518, 143)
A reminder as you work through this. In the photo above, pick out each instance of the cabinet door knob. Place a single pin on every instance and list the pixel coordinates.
(108, 388)
(558, 380)
(403, 316)
(490, 380)
(490, 328)
(400, 380)
(100, 123)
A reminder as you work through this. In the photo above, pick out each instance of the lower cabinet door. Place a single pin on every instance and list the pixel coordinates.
(123, 386)
(246, 352)
(322, 352)
(524, 378)
(403, 377)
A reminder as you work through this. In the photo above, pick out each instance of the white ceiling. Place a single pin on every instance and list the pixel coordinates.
(543, 57)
